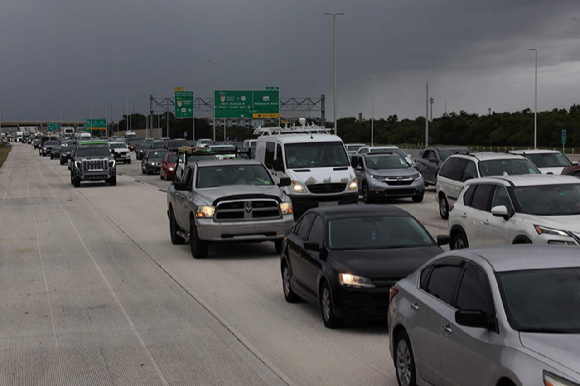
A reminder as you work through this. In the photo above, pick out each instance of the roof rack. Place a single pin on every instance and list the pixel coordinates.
(302, 129)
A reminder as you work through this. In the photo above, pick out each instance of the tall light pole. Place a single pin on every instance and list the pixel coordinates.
(127, 110)
(372, 111)
(431, 101)
(427, 115)
(2, 112)
(536, 100)
(213, 63)
(158, 119)
(334, 15)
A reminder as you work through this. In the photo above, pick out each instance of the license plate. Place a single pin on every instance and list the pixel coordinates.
(327, 203)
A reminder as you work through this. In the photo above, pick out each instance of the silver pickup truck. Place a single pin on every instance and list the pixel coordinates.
(229, 200)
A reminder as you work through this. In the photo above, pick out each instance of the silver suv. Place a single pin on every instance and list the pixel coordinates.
(387, 176)
(460, 168)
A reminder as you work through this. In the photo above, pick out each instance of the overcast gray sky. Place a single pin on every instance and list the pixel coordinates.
(57, 56)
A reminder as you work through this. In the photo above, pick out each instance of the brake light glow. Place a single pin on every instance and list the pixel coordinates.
(393, 292)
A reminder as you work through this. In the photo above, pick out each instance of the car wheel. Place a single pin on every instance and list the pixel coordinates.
(142, 170)
(76, 182)
(443, 207)
(199, 248)
(418, 198)
(459, 241)
(129, 162)
(289, 295)
(148, 172)
(367, 198)
(51, 156)
(61, 162)
(327, 307)
(404, 361)
(173, 227)
(113, 180)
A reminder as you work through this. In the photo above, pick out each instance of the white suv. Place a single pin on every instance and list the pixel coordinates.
(537, 209)
(460, 168)
(548, 161)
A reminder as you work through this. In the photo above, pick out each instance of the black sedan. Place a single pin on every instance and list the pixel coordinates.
(346, 258)
(151, 162)
(65, 153)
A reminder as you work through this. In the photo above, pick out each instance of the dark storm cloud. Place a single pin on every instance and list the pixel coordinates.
(57, 57)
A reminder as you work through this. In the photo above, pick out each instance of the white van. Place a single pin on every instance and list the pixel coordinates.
(85, 136)
(316, 163)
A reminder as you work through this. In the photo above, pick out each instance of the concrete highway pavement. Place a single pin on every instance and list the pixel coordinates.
(96, 293)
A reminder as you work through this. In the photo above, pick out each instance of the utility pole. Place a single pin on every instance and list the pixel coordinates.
(334, 14)
(427, 115)
(127, 111)
(445, 108)
(1, 112)
(535, 100)
(213, 63)
(158, 119)
(372, 111)
(431, 101)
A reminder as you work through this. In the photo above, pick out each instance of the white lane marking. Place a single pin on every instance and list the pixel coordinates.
(111, 290)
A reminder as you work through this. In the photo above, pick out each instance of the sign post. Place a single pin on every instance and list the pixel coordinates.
(184, 106)
(563, 141)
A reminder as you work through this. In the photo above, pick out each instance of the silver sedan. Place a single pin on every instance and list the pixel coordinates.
(500, 316)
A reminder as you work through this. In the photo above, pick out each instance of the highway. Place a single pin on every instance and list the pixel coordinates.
(95, 293)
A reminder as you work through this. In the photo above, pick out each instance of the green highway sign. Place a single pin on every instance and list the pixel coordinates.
(183, 104)
(563, 137)
(96, 124)
(247, 104)
(273, 88)
(53, 127)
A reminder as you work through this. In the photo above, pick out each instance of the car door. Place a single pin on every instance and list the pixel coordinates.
(478, 216)
(181, 201)
(312, 262)
(500, 231)
(465, 350)
(421, 163)
(296, 251)
(454, 185)
(432, 165)
(425, 319)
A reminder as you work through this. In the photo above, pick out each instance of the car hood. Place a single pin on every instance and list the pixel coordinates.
(384, 264)
(554, 171)
(306, 176)
(561, 348)
(407, 172)
(120, 149)
(567, 223)
(233, 192)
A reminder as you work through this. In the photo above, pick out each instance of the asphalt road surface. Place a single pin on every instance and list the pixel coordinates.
(95, 293)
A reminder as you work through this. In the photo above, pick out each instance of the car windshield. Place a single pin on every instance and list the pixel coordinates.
(377, 232)
(444, 154)
(353, 147)
(549, 160)
(549, 200)
(315, 155)
(386, 162)
(172, 158)
(223, 149)
(178, 143)
(156, 154)
(201, 157)
(510, 167)
(117, 145)
(393, 150)
(542, 301)
(93, 151)
(50, 143)
(216, 176)
(157, 145)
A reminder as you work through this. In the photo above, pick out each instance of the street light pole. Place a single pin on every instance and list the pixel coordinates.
(334, 14)
(431, 100)
(158, 119)
(427, 115)
(372, 111)
(127, 110)
(535, 100)
(213, 63)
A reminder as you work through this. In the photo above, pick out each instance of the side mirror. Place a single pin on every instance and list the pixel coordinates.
(278, 165)
(310, 246)
(433, 161)
(476, 319)
(443, 240)
(500, 211)
(285, 181)
(360, 168)
(182, 186)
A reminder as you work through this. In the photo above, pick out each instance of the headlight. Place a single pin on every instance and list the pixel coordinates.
(152, 163)
(205, 211)
(78, 164)
(111, 163)
(378, 178)
(417, 176)
(171, 169)
(550, 231)
(554, 380)
(286, 208)
(297, 187)
(348, 280)
(353, 185)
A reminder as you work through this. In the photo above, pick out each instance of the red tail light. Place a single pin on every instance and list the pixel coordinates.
(451, 206)
(393, 292)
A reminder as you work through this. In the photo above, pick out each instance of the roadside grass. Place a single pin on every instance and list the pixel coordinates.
(4, 154)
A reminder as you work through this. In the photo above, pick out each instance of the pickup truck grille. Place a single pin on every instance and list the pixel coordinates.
(90, 165)
(327, 188)
(247, 210)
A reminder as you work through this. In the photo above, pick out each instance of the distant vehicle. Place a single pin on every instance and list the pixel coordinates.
(37, 142)
(387, 176)
(231, 200)
(55, 151)
(133, 143)
(174, 144)
(65, 153)
(167, 169)
(431, 159)
(382, 149)
(548, 161)
(345, 259)
(46, 147)
(85, 136)
(142, 149)
(68, 132)
(204, 142)
(164, 139)
(129, 135)
(528, 209)
(352, 148)
(459, 168)
(193, 155)
(151, 162)
(316, 163)
(223, 151)
(92, 161)
(249, 149)
(489, 316)
(120, 152)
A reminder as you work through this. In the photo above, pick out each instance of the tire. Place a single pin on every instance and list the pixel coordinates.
(129, 162)
(142, 170)
(199, 248)
(327, 308)
(61, 162)
(443, 207)
(404, 361)
(278, 246)
(113, 180)
(148, 172)
(160, 175)
(173, 227)
(459, 241)
(51, 157)
(366, 193)
(289, 294)
(418, 198)
(76, 182)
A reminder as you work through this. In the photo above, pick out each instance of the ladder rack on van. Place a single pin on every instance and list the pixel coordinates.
(291, 130)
